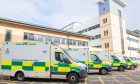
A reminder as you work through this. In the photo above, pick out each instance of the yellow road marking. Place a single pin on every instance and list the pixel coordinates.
(101, 80)
(86, 80)
(115, 78)
(127, 78)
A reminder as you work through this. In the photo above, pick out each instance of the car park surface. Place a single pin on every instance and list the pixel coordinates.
(115, 77)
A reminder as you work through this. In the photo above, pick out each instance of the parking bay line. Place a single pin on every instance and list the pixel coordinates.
(127, 78)
(101, 80)
(4, 83)
(86, 80)
(115, 78)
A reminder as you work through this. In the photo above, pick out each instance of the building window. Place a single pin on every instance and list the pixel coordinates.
(70, 41)
(64, 41)
(99, 46)
(8, 36)
(79, 43)
(105, 20)
(96, 37)
(89, 29)
(57, 40)
(132, 39)
(31, 36)
(48, 38)
(74, 42)
(133, 49)
(25, 36)
(40, 38)
(106, 45)
(82, 43)
(106, 33)
(44, 38)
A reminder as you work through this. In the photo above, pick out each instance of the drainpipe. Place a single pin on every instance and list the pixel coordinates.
(68, 42)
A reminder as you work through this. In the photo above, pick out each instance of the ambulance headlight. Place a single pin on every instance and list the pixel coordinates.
(109, 63)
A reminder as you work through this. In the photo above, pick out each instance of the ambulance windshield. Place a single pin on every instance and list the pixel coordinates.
(68, 55)
(127, 59)
(64, 52)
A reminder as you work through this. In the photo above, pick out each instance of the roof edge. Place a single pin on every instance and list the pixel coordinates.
(41, 27)
(121, 2)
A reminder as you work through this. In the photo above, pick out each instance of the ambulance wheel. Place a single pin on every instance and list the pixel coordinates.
(73, 78)
(121, 68)
(103, 71)
(132, 67)
(20, 76)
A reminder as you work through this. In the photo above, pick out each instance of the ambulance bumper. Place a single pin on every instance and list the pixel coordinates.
(83, 74)
(110, 69)
(126, 66)
(136, 65)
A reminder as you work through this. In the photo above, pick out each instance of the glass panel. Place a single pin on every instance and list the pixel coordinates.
(59, 56)
(57, 40)
(48, 38)
(31, 36)
(70, 41)
(25, 36)
(8, 36)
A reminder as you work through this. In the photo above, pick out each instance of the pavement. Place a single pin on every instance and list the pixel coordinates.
(115, 77)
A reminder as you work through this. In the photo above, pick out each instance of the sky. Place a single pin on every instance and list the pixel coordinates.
(59, 13)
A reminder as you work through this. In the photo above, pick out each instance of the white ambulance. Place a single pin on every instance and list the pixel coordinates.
(39, 60)
(93, 60)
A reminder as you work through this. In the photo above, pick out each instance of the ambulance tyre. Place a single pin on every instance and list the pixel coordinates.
(132, 67)
(103, 71)
(20, 76)
(121, 68)
(73, 78)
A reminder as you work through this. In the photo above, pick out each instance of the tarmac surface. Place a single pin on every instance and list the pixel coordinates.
(115, 77)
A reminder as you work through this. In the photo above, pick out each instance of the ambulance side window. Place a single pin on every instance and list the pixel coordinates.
(66, 60)
(93, 57)
(59, 56)
(115, 58)
(112, 58)
(127, 59)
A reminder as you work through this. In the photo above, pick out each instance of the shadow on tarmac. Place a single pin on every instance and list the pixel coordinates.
(39, 80)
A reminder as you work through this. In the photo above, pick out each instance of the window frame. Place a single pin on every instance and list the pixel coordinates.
(6, 35)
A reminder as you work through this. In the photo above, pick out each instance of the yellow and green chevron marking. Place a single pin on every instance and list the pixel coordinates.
(25, 65)
(94, 65)
(38, 66)
(62, 67)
